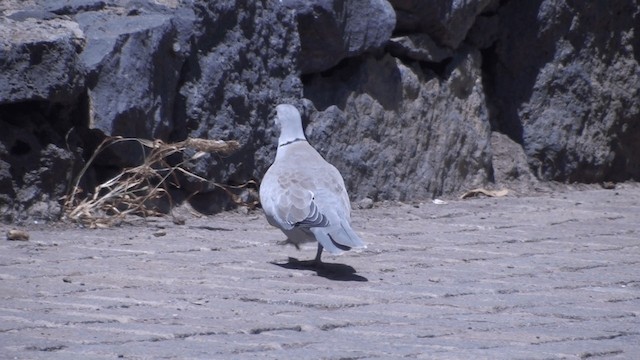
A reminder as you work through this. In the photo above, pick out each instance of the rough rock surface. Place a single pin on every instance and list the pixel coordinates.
(510, 165)
(331, 30)
(75, 72)
(402, 94)
(404, 115)
(39, 59)
(571, 96)
(133, 66)
(41, 76)
(418, 47)
(244, 66)
(446, 21)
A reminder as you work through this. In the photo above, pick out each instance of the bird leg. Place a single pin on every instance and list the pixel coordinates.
(317, 260)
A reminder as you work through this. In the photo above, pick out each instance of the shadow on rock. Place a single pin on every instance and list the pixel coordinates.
(331, 271)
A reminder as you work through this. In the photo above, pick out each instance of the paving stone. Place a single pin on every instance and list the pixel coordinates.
(551, 276)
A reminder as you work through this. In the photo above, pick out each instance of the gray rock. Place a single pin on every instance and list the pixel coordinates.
(38, 14)
(331, 30)
(6, 184)
(571, 96)
(244, 66)
(133, 65)
(365, 203)
(560, 79)
(400, 132)
(41, 78)
(39, 60)
(33, 175)
(150, 69)
(484, 32)
(446, 21)
(510, 164)
(419, 47)
(73, 7)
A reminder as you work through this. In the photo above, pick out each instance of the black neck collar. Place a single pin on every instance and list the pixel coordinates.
(292, 141)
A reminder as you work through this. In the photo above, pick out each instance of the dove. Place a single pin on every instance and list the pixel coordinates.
(303, 195)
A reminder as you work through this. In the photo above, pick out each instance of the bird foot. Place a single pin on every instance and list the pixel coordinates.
(288, 242)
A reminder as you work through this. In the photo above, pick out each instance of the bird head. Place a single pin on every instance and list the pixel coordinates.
(290, 123)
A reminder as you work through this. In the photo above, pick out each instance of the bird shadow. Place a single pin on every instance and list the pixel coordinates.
(331, 271)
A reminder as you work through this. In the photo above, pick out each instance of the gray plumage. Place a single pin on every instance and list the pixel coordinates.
(303, 195)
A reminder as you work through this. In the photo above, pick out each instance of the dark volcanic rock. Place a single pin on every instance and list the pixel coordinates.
(400, 131)
(133, 65)
(35, 169)
(77, 71)
(402, 93)
(418, 47)
(133, 60)
(571, 95)
(446, 21)
(39, 59)
(41, 78)
(331, 30)
(510, 164)
(244, 66)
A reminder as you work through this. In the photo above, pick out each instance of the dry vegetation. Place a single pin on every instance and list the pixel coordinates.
(133, 189)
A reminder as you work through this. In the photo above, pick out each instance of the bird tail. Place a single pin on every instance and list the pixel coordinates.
(336, 239)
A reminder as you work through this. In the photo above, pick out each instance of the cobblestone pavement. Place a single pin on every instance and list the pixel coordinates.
(555, 276)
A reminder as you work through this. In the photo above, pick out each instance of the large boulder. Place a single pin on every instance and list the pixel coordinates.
(133, 67)
(419, 47)
(244, 65)
(36, 165)
(402, 93)
(446, 21)
(510, 165)
(565, 83)
(74, 72)
(39, 58)
(399, 131)
(41, 76)
(331, 30)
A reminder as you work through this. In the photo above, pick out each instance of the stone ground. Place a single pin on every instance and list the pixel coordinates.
(552, 276)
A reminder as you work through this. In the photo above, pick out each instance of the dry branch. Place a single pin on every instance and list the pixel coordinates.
(130, 191)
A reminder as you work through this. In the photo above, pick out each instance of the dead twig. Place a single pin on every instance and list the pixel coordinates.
(130, 191)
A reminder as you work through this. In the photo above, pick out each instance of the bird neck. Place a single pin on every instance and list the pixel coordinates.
(291, 142)
(290, 134)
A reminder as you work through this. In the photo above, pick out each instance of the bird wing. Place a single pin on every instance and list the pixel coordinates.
(302, 190)
(287, 197)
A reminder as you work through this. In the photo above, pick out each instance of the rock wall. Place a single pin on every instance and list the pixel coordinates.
(410, 99)
(381, 118)
(571, 96)
(74, 72)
